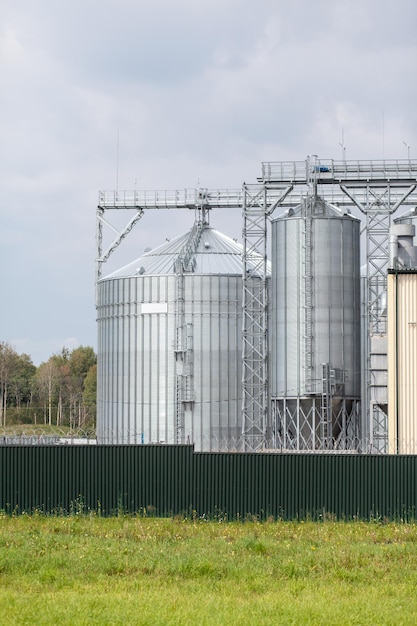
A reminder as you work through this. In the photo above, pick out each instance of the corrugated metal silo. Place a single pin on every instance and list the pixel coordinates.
(169, 346)
(315, 327)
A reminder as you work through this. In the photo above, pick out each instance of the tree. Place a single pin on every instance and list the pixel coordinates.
(21, 386)
(64, 386)
(8, 365)
(81, 360)
(63, 383)
(90, 395)
(47, 382)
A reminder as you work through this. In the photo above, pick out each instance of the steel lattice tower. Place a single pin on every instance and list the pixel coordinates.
(377, 189)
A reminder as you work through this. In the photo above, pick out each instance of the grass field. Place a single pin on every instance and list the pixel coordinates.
(131, 570)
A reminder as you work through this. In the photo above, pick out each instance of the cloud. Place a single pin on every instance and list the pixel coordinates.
(171, 95)
(44, 346)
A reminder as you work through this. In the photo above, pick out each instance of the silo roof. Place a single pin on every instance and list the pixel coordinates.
(216, 253)
(317, 207)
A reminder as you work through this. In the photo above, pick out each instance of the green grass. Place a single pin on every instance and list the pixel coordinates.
(131, 570)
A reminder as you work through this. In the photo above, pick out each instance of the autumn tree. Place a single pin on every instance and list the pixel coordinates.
(81, 360)
(8, 365)
(21, 388)
(62, 388)
(47, 383)
(90, 395)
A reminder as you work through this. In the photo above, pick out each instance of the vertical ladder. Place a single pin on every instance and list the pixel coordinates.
(184, 388)
(185, 263)
(188, 389)
(308, 297)
(326, 406)
(179, 354)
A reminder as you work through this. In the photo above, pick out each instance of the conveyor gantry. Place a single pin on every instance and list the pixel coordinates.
(331, 172)
(376, 187)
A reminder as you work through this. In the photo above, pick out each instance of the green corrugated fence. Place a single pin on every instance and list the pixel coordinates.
(174, 480)
(106, 479)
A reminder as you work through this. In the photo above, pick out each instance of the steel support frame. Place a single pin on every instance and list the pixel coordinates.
(378, 189)
(254, 321)
(298, 425)
(378, 204)
(259, 202)
(190, 199)
(102, 257)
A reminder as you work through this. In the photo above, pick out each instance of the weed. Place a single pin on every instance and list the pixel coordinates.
(85, 568)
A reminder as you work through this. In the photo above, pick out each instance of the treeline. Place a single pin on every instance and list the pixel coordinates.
(61, 391)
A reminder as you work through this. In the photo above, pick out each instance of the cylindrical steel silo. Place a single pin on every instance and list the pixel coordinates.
(315, 327)
(169, 345)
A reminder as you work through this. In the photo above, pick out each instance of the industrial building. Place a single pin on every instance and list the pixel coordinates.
(209, 342)
(402, 340)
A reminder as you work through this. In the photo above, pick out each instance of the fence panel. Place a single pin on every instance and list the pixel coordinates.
(155, 480)
(300, 486)
(173, 480)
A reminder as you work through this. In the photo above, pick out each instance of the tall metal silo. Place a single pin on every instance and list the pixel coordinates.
(169, 345)
(315, 328)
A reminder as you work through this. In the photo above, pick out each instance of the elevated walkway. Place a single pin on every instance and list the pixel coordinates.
(331, 172)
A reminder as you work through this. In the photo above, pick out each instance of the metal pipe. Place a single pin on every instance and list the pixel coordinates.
(393, 251)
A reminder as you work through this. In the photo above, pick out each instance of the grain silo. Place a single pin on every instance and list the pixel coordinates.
(170, 345)
(315, 327)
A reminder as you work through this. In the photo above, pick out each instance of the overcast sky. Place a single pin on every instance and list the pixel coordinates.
(165, 95)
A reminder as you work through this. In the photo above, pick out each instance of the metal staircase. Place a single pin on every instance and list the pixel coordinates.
(185, 263)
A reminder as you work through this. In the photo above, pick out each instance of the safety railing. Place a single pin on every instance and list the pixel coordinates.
(176, 198)
(334, 171)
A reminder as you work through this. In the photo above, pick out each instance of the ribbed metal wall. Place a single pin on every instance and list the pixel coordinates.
(402, 361)
(315, 329)
(169, 480)
(96, 478)
(136, 360)
(306, 486)
(170, 347)
(329, 331)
